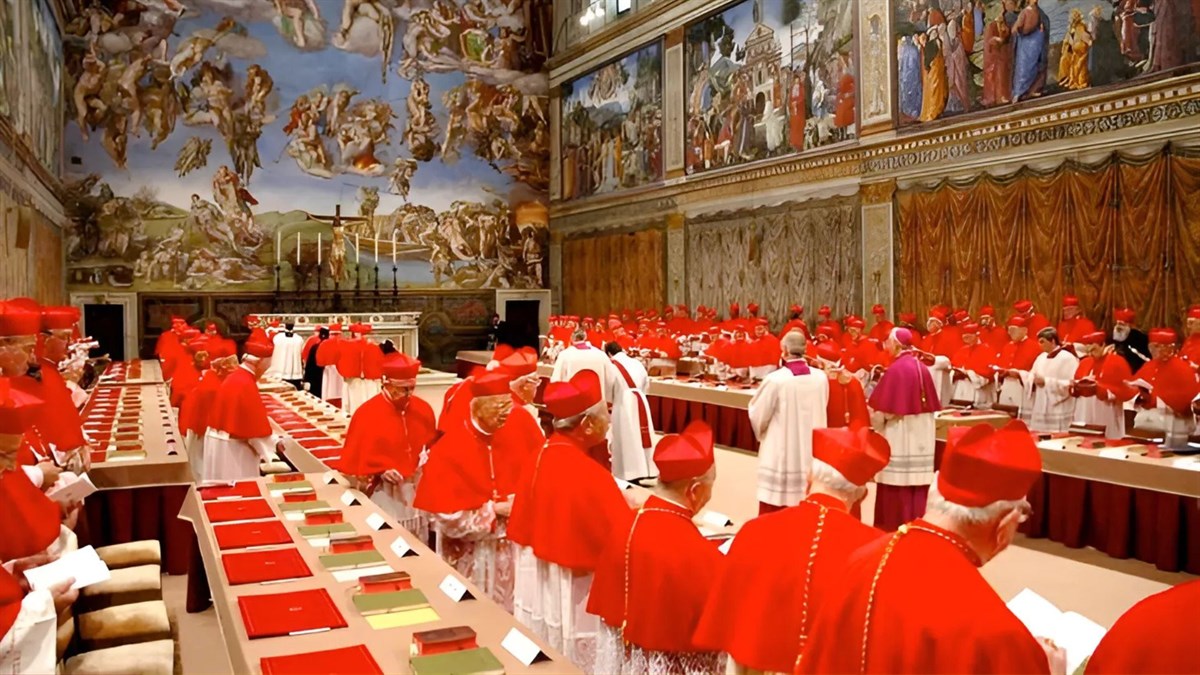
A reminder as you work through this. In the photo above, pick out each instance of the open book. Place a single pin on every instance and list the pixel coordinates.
(1075, 633)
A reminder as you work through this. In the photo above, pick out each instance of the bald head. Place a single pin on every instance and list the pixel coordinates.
(794, 344)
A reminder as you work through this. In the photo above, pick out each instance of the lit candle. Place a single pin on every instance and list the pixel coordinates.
(376, 248)
(393, 248)
(318, 249)
(357, 249)
(278, 246)
(297, 248)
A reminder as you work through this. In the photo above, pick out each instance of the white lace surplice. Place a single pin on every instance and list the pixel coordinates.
(395, 499)
(614, 657)
(552, 601)
(466, 540)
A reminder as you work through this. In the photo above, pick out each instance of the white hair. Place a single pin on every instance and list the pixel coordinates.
(832, 480)
(568, 423)
(967, 515)
(794, 343)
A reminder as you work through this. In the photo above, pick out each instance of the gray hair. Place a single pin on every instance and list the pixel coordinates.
(794, 343)
(833, 481)
(579, 336)
(568, 423)
(967, 515)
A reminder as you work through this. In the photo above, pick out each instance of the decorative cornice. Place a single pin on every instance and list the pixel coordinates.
(877, 193)
(911, 152)
(27, 160)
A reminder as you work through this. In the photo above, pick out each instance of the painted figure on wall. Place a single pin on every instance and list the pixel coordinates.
(611, 136)
(767, 78)
(291, 107)
(1019, 50)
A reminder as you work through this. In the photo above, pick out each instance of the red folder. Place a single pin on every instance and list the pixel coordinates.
(255, 567)
(279, 614)
(287, 477)
(239, 490)
(345, 661)
(241, 509)
(245, 535)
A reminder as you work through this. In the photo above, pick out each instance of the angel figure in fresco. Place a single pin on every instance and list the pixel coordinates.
(235, 201)
(507, 54)
(455, 102)
(209, 221)
(193, 155)
(399, 180)
(307, 147)
(127, 84)
(116, 139)
(217, 98)
(259, 86)
(301, 106)
(376, 12)
(422, 126)
(356, 145)
(191, 53)
(87, 91)
(368, 203)
(160, 105)
(336, 113)
(427, 31)
(243, 144)
(296, 18)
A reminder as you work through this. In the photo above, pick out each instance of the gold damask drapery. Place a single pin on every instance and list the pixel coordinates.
(1124, 231)
(808, 253)
(609, 272)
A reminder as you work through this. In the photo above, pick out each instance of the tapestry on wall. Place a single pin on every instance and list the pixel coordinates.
(808, 254)
(612, 125)
(767, 78)
(215, 139)
(31, 77)
(955, 57)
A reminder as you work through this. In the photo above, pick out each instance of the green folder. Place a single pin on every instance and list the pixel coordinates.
(292, 507)
(292, 486)
(342, 561)
(395, 601)
(479, 661)
(312, 531)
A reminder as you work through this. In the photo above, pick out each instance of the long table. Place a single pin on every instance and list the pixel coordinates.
(138, 496)
(390, 646)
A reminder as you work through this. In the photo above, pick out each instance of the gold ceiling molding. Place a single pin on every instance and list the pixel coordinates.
(895, 155)
(877, 193)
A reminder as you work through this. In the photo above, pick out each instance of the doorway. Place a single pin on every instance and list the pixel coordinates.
(521, 323)
(106, 325)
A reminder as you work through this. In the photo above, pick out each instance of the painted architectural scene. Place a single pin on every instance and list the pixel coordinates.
(767, 78)
(213, 142)
(612, 125)
(960, 56)
(31, 64)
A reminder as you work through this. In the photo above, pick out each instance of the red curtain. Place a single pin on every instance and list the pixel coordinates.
(1122, 232)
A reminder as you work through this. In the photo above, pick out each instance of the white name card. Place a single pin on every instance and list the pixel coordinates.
(716, 519)
(349, 499)
(455, 589)
(329, 478)
(521, 647)
(1186, 463)
(724, 548)
(401, 548)
(1114, 453)
(376, 522)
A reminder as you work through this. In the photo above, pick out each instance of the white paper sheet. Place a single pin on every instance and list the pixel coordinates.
(82, 565)
(1074, 632)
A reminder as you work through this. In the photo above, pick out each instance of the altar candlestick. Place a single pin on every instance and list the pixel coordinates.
(297, 248)
(376, 248)
(318, 249)
(278, 246)
(357, 249)
(393, 248)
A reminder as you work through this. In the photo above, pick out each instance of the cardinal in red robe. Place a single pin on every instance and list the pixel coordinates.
(1190, 351)
(564, 511)
(1174, 386)
(359, 362)
(197, 406)
(779, 569)
(328, 351)
(847, 406)
(1073, 325)
(825, 314)
(654, 577)
(796, 322)
(973, 369)
(915, 601)
(187, 370)
(1100, 386)
(989, 332)
(384, 442)
(31, 520)
(882, 327)
(1149, 638)
(1036, 320)
(59, 325)
(469, 480)
(239, 433)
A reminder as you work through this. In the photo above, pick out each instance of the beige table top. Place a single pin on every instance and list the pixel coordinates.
(1067, 457)
(390, 646)
(150, 373)
(165, 463)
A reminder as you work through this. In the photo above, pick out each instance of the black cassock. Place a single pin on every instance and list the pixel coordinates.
(1135, 349)
(314, 375)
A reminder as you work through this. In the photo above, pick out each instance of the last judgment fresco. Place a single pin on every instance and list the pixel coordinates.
(211, 142)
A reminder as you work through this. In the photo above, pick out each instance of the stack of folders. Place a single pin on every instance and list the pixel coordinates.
(442, 640)
(478, 661)
(295, 613)
(354, 660)
(390, 601)
(263, 567)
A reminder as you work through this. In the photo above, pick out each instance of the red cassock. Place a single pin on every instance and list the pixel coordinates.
(567, 506)
(186, 378)
(861, 354)
(626, 341)
(847, 405)
(733, 353)
(195, 409)
(31, 520)
(764, 594)
(56, 420)
(977, 358)
(1174, 383)
(672, 567)
(312, 342)
(881, 330)
(238, 409)
(56, 400)
(1190, 351)
(169, 351)
(219, 347)
(835, 326)
(767, 351)
(1150, 638)
(359, 358)
(381, 437)
(1073, 330)
(1037, 321)
(327, 351)
(797, 324)
(943, 343)
(461, 474)
(933, 612)
(456, 405)
(1019, 355)
(996, 336)
(1111, 374)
